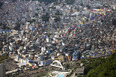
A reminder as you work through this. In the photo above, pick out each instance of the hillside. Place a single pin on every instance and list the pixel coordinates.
(47, 1)
(106, 69)
(1, 4)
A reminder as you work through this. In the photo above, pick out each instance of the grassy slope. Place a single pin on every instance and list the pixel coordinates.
(106, 69)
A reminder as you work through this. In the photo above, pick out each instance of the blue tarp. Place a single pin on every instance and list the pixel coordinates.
(31, 28)
(92, 18)
(30, 61)
(1, 31)
(75, 55)
(92, 54)
(78, 25)
(83, 57)
(48, 62)
(49, 51)
(44, 37)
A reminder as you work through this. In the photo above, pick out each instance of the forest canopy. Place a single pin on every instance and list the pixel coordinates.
(102, 67)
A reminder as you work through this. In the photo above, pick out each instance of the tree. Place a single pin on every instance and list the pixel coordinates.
(5, 27)
(31, 21)
(47, 1)
(102, 67)
(17, 27)
(88, 6)
(1, 4)
(98, 7)
(79, 56)
(58, 13)
(36, 14)
(45, 17)
(67, 66)
(1, 46)
(57, 19)
(114, 21)
(70, 1)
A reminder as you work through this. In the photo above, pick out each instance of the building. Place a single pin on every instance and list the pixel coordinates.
(79, 71)
(2, 70)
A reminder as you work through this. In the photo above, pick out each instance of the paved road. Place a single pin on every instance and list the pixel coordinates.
(73, 75)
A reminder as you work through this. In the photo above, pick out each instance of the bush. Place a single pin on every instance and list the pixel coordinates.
(2, 58)
(17, 27)
(1, 4)
(45, 17)
(57, 19)
(70, 1)
(47, 1)
(103, 68)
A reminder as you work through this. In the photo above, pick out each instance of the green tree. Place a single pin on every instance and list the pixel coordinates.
(69, 1)
(1, 45)
(57, 19)
(1, 3)
(45, 17)
(3, 58)
(58, 13)
(36, 14)
(88, 6)
(47, 1)
(17, 27)
(103, 68)
(33, 20)
(67, 66)
(4, 26)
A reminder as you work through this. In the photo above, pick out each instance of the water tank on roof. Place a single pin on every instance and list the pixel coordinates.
(30, 61)
(75, 55)
(31, 28)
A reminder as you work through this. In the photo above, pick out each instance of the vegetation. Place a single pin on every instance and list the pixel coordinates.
(5, 27)
(31, 21)
(2, 58)
(67, 66)
(1, 45)
(57, 2)
(42, 75)
(114, 21)
(93, 63)
(88, 6)
(102, 67)
(52, 8)
(36, 14)
(17, 27)
(1, 4)
(46, 1)
(57, 19)
(76, 66)
(70, 1)
(45, 17)
(58, 13)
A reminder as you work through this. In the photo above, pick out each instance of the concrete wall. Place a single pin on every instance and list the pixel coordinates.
(2, 70)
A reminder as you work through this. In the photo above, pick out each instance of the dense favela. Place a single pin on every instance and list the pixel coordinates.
(57, 38)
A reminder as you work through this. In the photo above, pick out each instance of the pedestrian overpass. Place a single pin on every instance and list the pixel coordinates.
(57, 64)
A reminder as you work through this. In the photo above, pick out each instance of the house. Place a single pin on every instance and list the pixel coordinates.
(79, 71)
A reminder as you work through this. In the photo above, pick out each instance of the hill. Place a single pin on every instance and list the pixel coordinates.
(46, 1)
(1, 3)
(104, 69)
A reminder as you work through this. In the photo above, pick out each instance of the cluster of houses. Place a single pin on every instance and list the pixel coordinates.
(78, 35)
